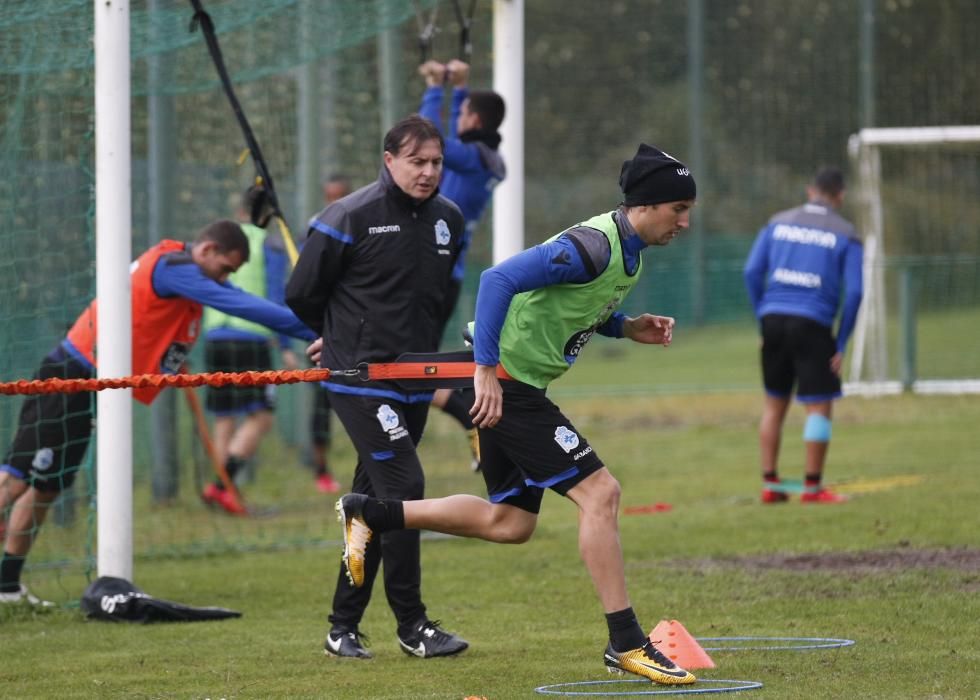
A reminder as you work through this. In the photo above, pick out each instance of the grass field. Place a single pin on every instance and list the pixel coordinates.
(897, 569)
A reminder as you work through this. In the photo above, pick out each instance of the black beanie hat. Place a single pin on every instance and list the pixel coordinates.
(652, 177)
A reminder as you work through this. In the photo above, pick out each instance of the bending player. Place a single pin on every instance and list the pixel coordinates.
(170, 283)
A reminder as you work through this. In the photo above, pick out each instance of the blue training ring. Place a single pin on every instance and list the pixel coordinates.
(676, 690)
(798, 643)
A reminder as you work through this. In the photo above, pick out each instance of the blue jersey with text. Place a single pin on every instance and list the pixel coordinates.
(807, 262)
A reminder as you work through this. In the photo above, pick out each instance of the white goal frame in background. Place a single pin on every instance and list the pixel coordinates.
(869, 357)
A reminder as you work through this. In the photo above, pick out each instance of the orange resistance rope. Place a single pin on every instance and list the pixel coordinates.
(73, 386)
(385, 370)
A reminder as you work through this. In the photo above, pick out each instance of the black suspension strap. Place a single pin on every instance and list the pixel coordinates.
(203, 19)
(465, 24)
(427, 29)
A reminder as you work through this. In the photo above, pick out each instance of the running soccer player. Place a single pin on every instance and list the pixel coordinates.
(534, 314)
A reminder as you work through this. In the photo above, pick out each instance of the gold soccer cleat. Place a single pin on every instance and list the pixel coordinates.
(648, 662)
(357, 535)
(474, 436)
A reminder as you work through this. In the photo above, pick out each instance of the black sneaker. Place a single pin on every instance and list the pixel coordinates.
(346, 641)
(428, 639)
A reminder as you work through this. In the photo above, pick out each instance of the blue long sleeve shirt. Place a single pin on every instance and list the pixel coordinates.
(276, 270)
(187, 280)
(807, 262)
(577, 256)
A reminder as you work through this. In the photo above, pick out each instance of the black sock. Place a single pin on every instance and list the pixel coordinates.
(459, 408)
(384, 514)
(321, 464)
(10, 568)
(771, 477)
(406, 631)
(813, 482)
(232, 467)
(624, 630)
(321, 468)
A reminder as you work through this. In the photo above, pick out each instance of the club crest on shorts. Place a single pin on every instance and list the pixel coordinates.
(566, 439)
(442, 232)
(390, 423)
(43, 459)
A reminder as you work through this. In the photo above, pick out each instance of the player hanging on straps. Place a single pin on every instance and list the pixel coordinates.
(473, 167)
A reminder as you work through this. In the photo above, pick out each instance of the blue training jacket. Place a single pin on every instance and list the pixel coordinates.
(803, 262)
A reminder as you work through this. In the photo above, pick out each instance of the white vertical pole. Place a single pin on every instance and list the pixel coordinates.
(858, 155)
(389, 80)
(875, 277)
(508, 81)
(113, 219)
(869, 350)
(308, 197)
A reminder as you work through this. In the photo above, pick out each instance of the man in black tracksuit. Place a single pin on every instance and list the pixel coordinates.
(373, 281)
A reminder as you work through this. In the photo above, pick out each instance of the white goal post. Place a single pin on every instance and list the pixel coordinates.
(868, 371)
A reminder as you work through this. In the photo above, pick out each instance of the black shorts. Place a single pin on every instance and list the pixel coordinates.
(533, 447)
(53, 430)
(239, 356)
(797, 350)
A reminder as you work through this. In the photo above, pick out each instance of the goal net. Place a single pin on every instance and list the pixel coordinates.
(308, 75)
(918, 196)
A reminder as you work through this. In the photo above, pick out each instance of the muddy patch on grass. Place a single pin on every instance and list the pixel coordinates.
(867, 562)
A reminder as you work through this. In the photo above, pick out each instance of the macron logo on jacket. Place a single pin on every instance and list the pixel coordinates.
(805, 236)
(392, 228)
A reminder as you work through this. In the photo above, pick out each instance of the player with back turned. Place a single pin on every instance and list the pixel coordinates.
(806, 263)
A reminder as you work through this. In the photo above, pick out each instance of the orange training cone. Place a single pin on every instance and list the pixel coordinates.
(677, 644)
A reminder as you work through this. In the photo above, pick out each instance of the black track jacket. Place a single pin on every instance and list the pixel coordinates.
(373, 275)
